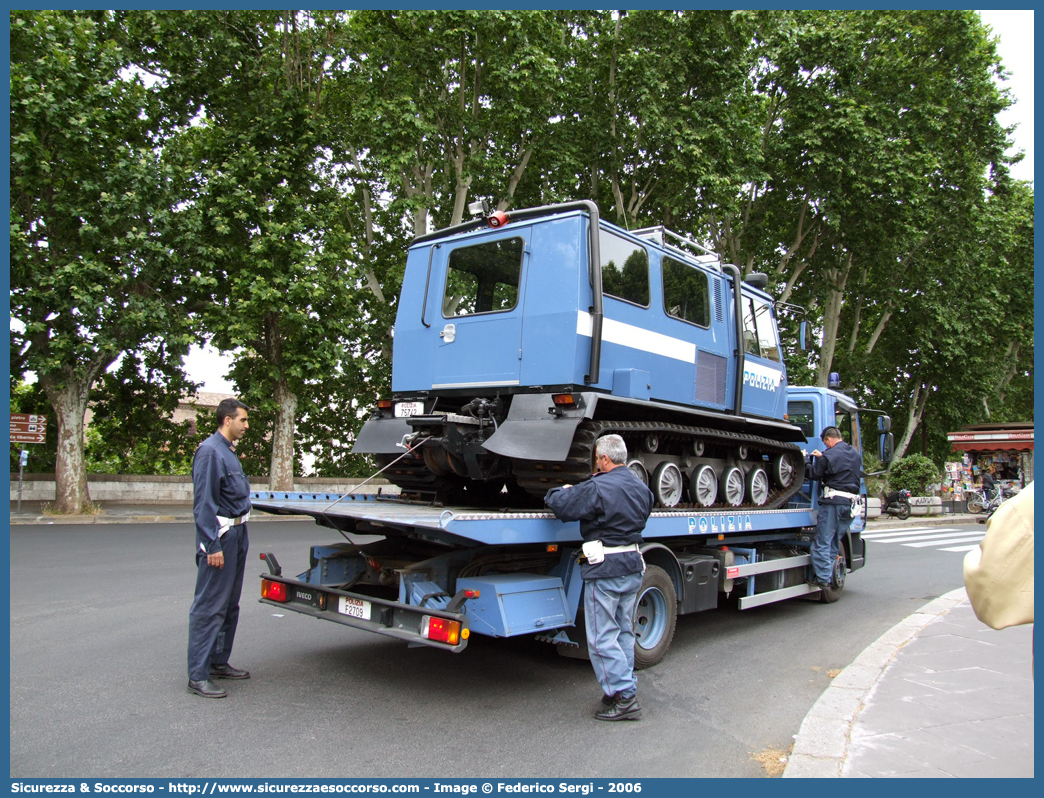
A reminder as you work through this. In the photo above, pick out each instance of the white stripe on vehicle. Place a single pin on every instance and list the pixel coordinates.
(617, 332)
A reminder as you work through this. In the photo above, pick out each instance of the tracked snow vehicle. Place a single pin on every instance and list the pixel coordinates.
(519, 340)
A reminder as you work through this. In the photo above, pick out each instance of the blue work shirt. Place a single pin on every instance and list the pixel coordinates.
(839, 468)
(219, 487)
(612, 507)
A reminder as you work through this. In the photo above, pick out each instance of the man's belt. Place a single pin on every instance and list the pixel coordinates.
(621, 549)
(224, 524)
(830, 493)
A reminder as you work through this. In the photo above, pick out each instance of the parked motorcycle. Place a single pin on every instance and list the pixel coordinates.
(897, 503)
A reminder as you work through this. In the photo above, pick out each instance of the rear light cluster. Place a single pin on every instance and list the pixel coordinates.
(274, 591)
(443, 630)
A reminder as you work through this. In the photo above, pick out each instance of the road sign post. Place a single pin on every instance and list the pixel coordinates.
(27, 428)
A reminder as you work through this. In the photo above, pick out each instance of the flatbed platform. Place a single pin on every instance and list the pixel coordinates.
(370, 514)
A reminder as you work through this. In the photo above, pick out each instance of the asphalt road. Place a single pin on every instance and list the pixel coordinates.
(98, 646)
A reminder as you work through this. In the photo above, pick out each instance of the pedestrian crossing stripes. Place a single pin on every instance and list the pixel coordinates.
(943, 538)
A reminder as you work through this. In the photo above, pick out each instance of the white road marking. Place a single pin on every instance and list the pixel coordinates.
(958, 539)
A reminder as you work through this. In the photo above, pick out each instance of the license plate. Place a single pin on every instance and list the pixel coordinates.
(357, 608)
(406, 409)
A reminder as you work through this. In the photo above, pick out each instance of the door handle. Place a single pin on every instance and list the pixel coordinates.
(449, 333)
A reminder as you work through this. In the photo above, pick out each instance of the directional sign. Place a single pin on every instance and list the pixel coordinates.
(28, 428)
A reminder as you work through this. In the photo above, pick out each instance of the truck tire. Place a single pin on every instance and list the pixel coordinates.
(832, 592)
(655, 617)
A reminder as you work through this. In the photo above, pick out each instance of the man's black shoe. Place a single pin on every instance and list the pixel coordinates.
(816, 583)
(621, 709)
(226, 671)
(205, 688)
(607, 700)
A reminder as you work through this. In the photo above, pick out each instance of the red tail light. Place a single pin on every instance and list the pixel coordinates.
(273, 591)
(440, 629)
(384, 404)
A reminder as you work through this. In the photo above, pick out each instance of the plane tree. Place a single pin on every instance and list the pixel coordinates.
(92, 272)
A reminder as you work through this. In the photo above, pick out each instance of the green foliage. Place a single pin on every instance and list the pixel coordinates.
(915, 473)
(131, 430)
(876, 477)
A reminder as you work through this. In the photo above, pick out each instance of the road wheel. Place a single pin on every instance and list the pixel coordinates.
(703, 486)
(668, 485)
(975, 503)
(731, 487)
(783, 470)
(757, 485)
(654, 618)
(903, 511)
(832, 592)
(639, 471)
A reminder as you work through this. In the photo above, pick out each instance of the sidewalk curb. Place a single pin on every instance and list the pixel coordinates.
(821, 745)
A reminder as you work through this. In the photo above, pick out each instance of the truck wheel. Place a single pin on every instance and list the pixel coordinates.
(757, 484)
(731, 487)
(654, 618)
(832, 592)
(668, 484)
(703, 486)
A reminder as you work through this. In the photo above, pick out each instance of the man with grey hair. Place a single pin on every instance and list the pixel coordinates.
(612, 508)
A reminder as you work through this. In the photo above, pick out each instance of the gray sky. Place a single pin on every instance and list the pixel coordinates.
(1015, 30)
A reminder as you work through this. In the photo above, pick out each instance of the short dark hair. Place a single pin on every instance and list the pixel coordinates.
(228, 408)
(830, 432)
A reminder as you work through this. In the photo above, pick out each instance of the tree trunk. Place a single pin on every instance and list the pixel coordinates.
(918, 403)
(70, 472)
(831, 317)
(281, 471)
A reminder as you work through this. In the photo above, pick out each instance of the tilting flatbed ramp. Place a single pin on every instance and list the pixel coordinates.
(370, 514)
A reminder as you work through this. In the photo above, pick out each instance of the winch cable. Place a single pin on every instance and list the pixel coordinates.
(409, 450)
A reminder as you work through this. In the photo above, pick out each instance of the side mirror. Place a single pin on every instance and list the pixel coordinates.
(884, 423)
(803, 336)
(885, 447)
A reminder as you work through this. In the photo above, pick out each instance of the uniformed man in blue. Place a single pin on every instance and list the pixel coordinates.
(838, 470)
(612, 508)
(221, 506)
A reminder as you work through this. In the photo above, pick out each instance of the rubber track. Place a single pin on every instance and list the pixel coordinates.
(537, 477)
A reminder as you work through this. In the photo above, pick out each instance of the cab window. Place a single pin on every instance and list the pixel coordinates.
(801, 415)
(844, 421)
(759, 330)
(686, 293)
(625, 269)
(483, 278)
